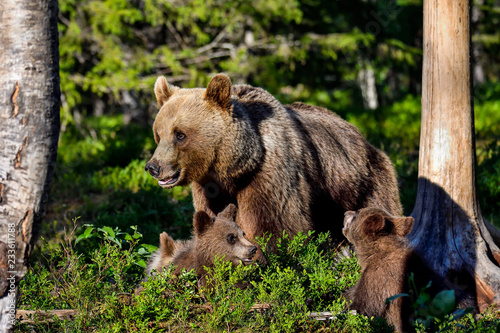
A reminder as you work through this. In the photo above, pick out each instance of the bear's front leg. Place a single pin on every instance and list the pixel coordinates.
(200, 200)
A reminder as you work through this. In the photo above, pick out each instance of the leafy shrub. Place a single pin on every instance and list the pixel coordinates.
(97, 272)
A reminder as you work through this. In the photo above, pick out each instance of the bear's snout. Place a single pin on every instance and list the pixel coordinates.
(348, 217)
(153, 168)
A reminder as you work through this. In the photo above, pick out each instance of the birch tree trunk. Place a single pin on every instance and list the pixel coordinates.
(29, 131)
(449, 231)
(367, 84)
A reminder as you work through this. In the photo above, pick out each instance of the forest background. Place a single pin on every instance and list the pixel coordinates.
(360, 58)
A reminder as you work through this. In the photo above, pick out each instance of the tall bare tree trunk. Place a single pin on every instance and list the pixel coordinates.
(449, 231)
(29, 131)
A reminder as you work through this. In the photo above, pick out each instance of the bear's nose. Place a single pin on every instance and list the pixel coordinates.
(153, 168)
(253, 250)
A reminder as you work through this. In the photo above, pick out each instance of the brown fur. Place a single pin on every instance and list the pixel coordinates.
(165, 253)
(212, 237)
(294, 167)
(387, 260)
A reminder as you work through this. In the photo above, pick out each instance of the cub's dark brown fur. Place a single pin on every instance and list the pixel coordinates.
(286, 167)
(387, 260)
(219, 236)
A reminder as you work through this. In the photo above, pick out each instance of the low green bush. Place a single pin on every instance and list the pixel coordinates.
(97, 272)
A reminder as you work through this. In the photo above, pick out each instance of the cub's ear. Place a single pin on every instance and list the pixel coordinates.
(219, 91)
(403, 225)
(163, 90)
(167, 244)
(229, 212)
(375, 224)
(201, 222)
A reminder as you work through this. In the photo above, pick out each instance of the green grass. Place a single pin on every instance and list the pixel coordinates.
(298, 279)
(102, 196)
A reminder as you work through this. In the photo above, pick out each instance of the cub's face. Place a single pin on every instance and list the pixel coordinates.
(188, 130)
(370, 224)
(351, 228)
(227, 239)
(221, 236)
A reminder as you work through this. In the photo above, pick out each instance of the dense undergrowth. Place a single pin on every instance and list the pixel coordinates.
(284, 295)
(105, 215)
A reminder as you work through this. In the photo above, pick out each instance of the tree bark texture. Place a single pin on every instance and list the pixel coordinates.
(29, 131)
(449, 231)
(367, 84)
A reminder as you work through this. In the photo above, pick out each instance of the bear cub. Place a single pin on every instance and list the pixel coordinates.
(218, 236)
(386, 261)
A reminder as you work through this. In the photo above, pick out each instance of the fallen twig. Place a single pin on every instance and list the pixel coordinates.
(27, 316)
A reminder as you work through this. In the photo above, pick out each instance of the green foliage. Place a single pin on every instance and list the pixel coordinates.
(120, 239)
(228, 295)
(432, 314)
(489, 180)
(98, 281)
(64, 278)
(308, 257)
(100, 177)
(115, 46)
(487, 118)
(303, 276)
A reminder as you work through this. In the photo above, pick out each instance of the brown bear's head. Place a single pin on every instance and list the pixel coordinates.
(372, 223)
(223, 237)
(188, 130)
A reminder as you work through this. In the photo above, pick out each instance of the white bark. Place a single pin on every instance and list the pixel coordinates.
(29, 129)
(367, 84)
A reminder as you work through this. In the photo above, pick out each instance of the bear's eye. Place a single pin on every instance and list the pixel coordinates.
(180, 136)
(231, 238)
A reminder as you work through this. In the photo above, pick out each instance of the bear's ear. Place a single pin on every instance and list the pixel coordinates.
(403, 225)
(229, 212)
(219, 91)
(375, 224)
(167, 244)
(163, 90)
(201, 222)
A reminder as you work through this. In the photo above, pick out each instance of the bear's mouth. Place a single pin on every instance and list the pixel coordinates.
(247, 261)
(170, 181)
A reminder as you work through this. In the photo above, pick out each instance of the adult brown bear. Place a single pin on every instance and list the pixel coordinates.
(286, 167)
